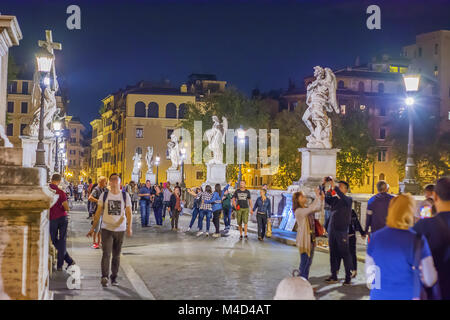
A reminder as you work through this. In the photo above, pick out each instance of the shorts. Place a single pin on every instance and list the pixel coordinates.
(242, 216)
(99, 224)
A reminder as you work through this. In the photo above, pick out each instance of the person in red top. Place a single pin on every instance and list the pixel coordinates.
(59, 222)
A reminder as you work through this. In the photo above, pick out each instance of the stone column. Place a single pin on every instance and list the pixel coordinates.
(24, 228)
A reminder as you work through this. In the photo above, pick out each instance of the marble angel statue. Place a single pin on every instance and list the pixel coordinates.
(174, 152)
(149, 159)
(216, 139)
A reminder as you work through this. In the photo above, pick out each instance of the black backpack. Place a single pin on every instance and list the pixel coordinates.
(124, 196)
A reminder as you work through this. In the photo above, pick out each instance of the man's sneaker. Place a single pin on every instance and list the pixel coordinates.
(188, 229)
(347, 283)
(59, 269)
(199, 233)
(260, 239)
(207, 234)
(331, 280)
(216, 235)
(114, 282)
(104, 282)
(69, 265)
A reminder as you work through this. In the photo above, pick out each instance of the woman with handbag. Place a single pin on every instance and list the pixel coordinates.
(262, 208)
(306, 235)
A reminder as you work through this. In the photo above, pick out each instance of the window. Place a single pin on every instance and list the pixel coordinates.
(153, 110)
(100, 144)
(343, 108)
(9, 129)
(368, 180)
(139, 109)
(382, 111)
(382, 156)
(11, 106)
(436, 72)
(382, 133)
(138, 150)
(13, 87)
(341, 84)
(24, 107)
(393, 69)
(199, 175)
(381, 176)
(25, 87)
(182, 111)
(94, 134)
(260, 181)
(171, 111)
(436, 48)
(169, 133)
(420, 52)
(74, 130)
(22, 128)
(109, 137)
(140, 133)
(361, 86)
(381, 87)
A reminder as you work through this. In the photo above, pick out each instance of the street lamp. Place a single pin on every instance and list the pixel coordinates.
(57, 130)
(409, 183)
(241, 143)
(44, 61)
(157, 159)
(62, 156)
(183, 156)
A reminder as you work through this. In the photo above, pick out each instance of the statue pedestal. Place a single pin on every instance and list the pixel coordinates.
(29, 146)
(216, 173)
(173, 176)
(24, 229)
(150, 176)
(135, 177)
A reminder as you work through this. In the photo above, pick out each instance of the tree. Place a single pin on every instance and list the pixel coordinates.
(351, 134)
(13, 68)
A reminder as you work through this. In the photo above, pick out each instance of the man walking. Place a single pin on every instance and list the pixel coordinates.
(167, 193)
(377, 208)
(243, 204)
(144, 203)
(93, 199)
(340, 218)
(58, 223)
(113, 206)
(437, 232)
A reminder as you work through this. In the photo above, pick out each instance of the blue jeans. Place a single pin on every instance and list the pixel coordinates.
(204, 213)
(158, 215)
(58, 234)
(144, 205)
(227, 217)
(305, 263)
(195, 212)
(166, 204)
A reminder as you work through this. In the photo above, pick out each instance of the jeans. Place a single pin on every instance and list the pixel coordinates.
(111, 244)
(195, 213)
(327, 218)
(339, 250)
(227, 217)
(58, 234)
(204, 213)
(134, 205)
(216, 219)
(305, 263)
(261, 218)
(166, 204)
(175, 216)
(352, 248)
(158, 215)
(144, 205)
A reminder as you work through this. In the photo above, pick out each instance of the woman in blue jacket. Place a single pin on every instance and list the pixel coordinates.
(263, 211)
(216, 202)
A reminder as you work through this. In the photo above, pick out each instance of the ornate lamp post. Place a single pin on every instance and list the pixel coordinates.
(183, 156)
(62, 151)
(57, 130)
(409, 183)
(44, 62)
(157, 159)
(241, 143)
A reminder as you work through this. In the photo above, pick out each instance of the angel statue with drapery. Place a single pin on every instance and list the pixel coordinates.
(320, 98)
(216, 138)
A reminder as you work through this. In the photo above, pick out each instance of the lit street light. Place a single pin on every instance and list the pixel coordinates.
(57, 130)
(44, 62)
(409, 183)
(157, 159)
(241, 143)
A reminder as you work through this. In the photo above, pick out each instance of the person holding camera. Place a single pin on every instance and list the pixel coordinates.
(340, 218)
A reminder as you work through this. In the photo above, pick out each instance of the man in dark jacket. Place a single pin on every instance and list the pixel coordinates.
(377, 208)
(340, 218)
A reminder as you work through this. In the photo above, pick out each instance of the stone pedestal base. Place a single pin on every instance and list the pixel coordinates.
(29, 146)
(135, 177)
(409, 187)
(150, 176)
(24, 229)
(173, 176)
(216, 173)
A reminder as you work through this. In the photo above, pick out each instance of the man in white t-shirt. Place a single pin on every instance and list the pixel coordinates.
(115, 208)
(80, 191)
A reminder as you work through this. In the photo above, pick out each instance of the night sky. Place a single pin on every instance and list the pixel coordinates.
(247, 43)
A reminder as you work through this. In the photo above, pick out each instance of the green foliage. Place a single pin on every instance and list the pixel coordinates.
(351, 134)
(13, 68)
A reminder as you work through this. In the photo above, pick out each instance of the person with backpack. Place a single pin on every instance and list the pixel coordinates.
(205, 210)
(93, 199)
(114, 206)
(167, 193)
(175, 207)
(216, 207)
(226, 207)
(144, 203)
(437, 232)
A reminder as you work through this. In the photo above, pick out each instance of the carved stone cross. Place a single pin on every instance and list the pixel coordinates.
(50, 46)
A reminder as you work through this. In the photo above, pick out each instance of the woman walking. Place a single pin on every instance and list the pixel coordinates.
(158, 205)
(216, 202)
(196, 207)
(263, 211)
(306, 236)
(397, 257)
(205, 210)
(175, 207)
(226, 207)
(133, 191)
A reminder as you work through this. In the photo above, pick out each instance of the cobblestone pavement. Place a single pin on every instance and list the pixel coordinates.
(180, 265)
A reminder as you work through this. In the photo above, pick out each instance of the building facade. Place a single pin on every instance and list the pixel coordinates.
(75, 149)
